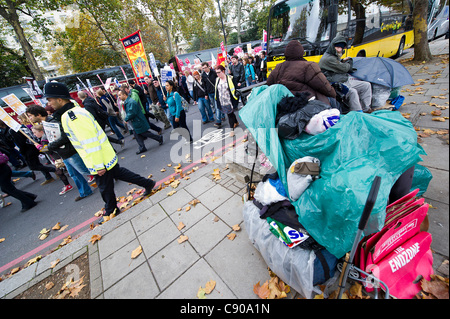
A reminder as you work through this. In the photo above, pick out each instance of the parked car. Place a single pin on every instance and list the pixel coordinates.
(438, 26)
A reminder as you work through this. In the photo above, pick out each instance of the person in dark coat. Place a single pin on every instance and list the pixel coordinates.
(137, 118)
(299, 75)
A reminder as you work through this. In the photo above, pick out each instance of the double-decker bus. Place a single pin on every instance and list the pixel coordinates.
(372, 27)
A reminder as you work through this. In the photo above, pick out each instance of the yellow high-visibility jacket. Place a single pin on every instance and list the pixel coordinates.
(89, 140)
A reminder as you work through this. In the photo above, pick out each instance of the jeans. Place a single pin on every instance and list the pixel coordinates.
(114, 122)
(76, 169)
(204, 106)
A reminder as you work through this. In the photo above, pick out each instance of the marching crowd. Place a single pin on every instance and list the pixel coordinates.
(82, 150)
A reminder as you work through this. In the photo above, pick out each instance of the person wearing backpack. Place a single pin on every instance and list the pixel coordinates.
(173, 100)
(250, 77)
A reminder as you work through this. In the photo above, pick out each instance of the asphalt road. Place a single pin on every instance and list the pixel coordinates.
(21, 230)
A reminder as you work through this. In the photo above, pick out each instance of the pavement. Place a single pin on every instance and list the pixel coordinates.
(168, 269)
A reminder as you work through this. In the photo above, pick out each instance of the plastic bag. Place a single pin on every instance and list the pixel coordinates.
(319, 123)
(297, 183)
(267, 194)
(291, 125)
(421, 179)
(380, 94)
(352, 152)
(294, 266)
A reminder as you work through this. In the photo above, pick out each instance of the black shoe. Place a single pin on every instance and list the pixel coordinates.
(149, 189)
(24, 209)
(141, 151)
(161, 141)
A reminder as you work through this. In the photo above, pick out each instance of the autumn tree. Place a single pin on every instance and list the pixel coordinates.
(10, 10)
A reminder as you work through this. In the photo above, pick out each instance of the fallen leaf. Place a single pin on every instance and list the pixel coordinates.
(201, 293)
(438, 119)
(356, 290)
(428, 131)
(163, 170)
(236, 227)
(14, 270)
(231, 236)
(209, 287)
(63, 228)
(436, 113)
(262, 291)
(95, 238)
(149, 176)
(175, 183)
(436, 287)
(188, 208)
(181, 226)
(194, 202)
(49, 286)
(54, 263)
(136, 252)
(182, 239)
(57, 226)
(2, 240)
(33, 260)
(171, 193)
(142, 156)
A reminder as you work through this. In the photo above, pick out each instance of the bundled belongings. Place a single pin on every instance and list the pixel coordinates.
(295, 112)
(285, 245)
(400, 253)
(322, 121)
(351, 153)
(301, 173)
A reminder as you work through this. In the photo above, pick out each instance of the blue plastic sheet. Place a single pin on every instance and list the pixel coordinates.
(352, 152)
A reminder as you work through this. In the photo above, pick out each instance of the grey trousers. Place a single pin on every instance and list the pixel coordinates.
(359, 96)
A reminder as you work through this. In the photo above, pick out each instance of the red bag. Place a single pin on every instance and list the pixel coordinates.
(401, 268)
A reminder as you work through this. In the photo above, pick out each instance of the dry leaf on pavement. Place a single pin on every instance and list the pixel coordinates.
(181, 226)
(182, 239)
(262, 291)
(95, 238)
(136, 252)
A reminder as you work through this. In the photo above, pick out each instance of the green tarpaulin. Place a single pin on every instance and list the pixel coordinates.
(352, 152)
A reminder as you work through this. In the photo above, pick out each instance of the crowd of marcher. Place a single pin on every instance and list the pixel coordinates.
(83, 150)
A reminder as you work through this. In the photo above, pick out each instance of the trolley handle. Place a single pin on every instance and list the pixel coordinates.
(370, 202)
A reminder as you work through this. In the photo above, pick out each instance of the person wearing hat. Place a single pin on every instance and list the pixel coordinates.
(93, 146)
(359, 95)
(61, 145)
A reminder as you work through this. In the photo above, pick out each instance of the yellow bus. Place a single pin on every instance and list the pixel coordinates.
(372, 27)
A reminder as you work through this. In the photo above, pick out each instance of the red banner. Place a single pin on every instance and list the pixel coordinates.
(134, 48)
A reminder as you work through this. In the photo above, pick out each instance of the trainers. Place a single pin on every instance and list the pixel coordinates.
(91, 178)
(66, 189)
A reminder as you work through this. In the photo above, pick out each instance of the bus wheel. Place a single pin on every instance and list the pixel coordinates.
(401, 48)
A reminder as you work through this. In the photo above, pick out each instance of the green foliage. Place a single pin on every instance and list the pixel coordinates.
(13, 67)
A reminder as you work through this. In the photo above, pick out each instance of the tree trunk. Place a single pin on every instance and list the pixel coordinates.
(421, 48)
(10, 15)
(238, 19)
